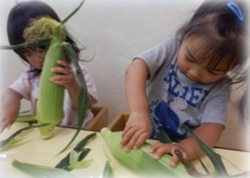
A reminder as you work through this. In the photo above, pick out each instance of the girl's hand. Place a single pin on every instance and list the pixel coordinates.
(7, 118)
(67, 79)
(66, 76)
(136, 132)
(9, 108)
(159, 149)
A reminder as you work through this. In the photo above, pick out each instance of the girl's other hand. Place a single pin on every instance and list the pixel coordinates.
(9, 108)
(159, 149)
(6, 119)
(66, 78)
(136, 132)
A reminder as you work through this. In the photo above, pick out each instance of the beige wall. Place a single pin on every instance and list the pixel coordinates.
(114, 31)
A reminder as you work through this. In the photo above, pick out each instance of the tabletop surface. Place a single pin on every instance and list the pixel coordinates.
(32, 149)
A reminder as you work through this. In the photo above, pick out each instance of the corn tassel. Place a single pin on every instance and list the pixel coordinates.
(140, 161)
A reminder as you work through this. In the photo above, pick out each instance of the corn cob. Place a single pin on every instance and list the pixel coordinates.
(51, 96)
(140, 161)
(48, 32)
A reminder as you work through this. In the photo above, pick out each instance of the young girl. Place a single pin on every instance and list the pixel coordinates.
(186, 82)
(27, 86)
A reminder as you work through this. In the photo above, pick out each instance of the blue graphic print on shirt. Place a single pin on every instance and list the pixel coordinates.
(191, 94)
(170, 120)
(166, 114)
(34, 84)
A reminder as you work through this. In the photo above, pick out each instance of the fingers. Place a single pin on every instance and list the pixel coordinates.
(126, 136)
(3, 125)
(133, 140)
(67, 74)
(136, 131)
(159, 149)
(64, 68)
(61, 70)
(131, 144)
(174, 161)
(61, 79)
(140, 141)
(63, 64)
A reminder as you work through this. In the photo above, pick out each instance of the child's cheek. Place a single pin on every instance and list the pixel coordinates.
(182, 65)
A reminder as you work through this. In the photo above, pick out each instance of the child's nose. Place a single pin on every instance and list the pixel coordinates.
(38, 58)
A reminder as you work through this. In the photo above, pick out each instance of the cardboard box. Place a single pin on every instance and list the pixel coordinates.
(118, 123)
(100, 118)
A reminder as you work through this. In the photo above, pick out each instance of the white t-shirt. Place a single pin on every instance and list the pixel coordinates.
(29, 89)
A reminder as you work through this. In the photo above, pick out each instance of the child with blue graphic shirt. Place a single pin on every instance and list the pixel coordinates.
(185, 80)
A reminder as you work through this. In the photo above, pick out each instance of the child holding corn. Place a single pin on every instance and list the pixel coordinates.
(187, 82)
(27, 86)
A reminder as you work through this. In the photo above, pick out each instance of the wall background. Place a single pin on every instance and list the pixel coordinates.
(113, 31)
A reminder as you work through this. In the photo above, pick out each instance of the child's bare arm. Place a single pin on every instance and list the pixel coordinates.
(138, 127)
(9, 108)
(209, 133)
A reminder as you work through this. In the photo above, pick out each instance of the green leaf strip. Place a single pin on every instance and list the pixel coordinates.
(44, 42)
(163, 137)
(73, 13)
(63, 164)
(39, 171)
(83, 98)
(203, 165)
(214, 157)
(6, 141)
(107, 171)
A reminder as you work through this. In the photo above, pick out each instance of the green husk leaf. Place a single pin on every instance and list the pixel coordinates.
(188, 165)
(10, 143)
(83, 98)
(41, 171)
(26, 116)
(38, 42)
(3, 143)
(28, 119)
(203, 165)
(107, 171)
(26, 112)
(79, 164)
(84, 153)
(64, 163)
(245, 174)
(214, 157)
(74, 156)
(84, 141)
(163, 137)
(72, 13)
(140, 161)
(75, 159)
(68, 163)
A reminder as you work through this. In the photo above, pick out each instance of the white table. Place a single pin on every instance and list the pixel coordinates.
(32, 149)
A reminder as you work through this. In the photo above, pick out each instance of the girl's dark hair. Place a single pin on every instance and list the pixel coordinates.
(18, 20)
(223, 35)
